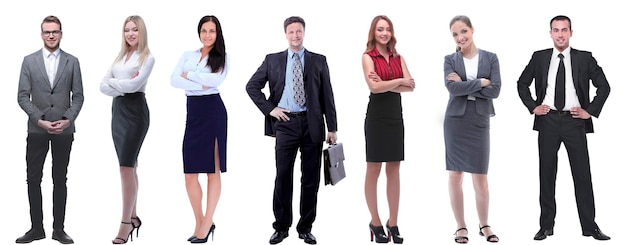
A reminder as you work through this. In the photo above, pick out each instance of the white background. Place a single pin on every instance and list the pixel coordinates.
(337, 29)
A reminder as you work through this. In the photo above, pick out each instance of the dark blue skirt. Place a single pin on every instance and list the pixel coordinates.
(206, 126)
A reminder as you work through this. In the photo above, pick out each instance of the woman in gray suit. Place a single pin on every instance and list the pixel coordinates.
(472, 77)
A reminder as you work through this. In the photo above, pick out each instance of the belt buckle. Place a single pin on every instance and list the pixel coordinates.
(563, 113)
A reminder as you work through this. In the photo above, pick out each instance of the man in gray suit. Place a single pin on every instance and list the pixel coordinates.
(51, 93)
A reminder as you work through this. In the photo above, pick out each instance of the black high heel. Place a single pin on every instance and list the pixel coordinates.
(130, 234)
(206, 238)
(138, 224)
(379, 233)
(490, 237)
(394, 233)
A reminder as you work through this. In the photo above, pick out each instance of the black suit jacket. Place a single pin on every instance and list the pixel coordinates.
(584, 69)
(320, 101)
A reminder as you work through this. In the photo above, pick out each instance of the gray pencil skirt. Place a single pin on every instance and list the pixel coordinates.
(467, 141)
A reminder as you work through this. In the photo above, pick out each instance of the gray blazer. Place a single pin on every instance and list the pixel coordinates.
(488, 67)
(39, 100)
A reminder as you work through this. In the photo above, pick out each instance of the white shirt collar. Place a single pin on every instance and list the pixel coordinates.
(47, 53)
(555, 52)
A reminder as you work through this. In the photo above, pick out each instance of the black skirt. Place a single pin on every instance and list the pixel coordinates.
(129, 125)
(206, 126)
(384, 128)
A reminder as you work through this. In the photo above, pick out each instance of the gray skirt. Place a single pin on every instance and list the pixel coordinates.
(467, 141)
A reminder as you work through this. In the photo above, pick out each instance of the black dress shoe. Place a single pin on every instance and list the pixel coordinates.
(308, 238)
(278, 237)
(596, 234)
(62, 237)
(543, 234)
(30, 236)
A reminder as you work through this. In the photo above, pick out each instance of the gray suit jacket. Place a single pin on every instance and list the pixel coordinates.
(488, 67)
(39, 100)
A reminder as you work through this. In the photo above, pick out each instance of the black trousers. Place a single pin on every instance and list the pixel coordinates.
(570, 131)
(37, 146)
(291, 136)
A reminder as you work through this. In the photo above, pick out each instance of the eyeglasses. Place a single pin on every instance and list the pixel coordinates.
(48, 33)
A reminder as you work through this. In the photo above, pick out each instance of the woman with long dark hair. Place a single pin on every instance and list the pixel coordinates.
(200, 73)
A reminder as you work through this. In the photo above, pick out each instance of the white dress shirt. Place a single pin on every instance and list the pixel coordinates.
(117, 81)
(198, 74)
(571, 99)
(51, 60)
(471, 70)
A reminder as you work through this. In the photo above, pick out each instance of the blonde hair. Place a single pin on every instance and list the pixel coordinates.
(142, 46)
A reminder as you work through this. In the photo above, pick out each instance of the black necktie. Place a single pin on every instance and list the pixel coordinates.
(559, 94)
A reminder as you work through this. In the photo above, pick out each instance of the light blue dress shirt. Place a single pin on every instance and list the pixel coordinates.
(288, 101)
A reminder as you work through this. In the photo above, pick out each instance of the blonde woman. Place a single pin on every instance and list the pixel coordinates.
(125, 81)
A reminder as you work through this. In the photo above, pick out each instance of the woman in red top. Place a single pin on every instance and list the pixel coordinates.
(386, 75)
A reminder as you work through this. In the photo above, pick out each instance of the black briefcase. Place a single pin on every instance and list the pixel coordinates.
(334, 170)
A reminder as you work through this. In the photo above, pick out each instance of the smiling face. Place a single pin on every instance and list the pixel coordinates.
(560, 33)
(208, 33)
(383, 32)
(463, 35)
(51, 35)
(295, 35)
(131, 34)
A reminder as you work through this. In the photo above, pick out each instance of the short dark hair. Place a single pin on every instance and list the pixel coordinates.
(561, 17)
(293, 19)
(51, 19)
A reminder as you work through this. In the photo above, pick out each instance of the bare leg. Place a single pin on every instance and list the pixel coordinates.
(129, 200)
(194, 192)
(393, 191)
(481, 187)
(214, 188)
(455, 189)
(371, 184)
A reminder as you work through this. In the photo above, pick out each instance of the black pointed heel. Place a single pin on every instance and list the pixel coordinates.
(394, 234)
(130, 234)
(138, 224)
(379, 233)
(206, 238)
(491, 237)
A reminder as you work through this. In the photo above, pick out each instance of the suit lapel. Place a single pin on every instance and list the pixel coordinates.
(545, 65)
(39, 62)
(575, 61)
(282, 69)
(481, 64)
(307, 62)
(61, 68)
(460, 66)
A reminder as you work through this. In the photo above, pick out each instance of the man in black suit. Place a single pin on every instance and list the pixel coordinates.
(301, 98)
(563, 113)
(50, 91)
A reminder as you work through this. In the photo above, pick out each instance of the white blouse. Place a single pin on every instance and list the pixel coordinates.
(198, 74)
(117, 81)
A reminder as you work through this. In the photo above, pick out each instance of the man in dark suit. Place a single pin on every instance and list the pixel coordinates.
(50, 91)
(301, 98)
(563, 113)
